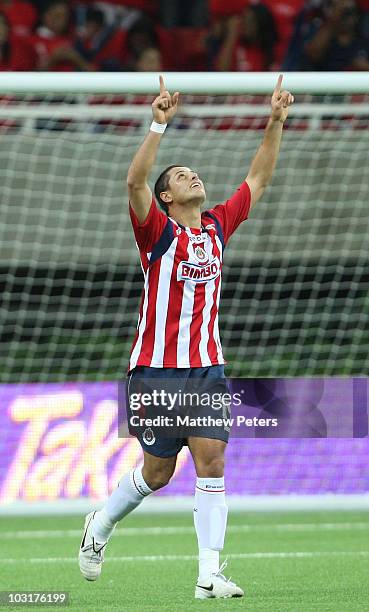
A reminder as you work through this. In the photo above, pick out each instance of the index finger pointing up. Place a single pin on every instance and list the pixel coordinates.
(279, 83)
(162, 86)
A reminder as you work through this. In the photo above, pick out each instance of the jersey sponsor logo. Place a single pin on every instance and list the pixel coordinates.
(188, 271)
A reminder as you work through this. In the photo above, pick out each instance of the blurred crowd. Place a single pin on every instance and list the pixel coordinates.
(154, 35)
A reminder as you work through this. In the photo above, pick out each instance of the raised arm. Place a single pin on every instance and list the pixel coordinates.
(164, 108)
(262, 167)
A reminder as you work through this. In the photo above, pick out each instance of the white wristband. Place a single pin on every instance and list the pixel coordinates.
(159, 128)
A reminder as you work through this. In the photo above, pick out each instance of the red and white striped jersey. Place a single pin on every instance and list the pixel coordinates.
(178, 320)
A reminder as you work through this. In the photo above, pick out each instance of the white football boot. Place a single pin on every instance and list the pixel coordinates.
(91, 553)
(220, 587)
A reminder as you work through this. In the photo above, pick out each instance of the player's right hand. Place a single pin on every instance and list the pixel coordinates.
(164, 106)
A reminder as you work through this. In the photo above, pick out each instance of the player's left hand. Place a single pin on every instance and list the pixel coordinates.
(281, 101)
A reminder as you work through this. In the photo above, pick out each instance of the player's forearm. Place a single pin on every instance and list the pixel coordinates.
(164, 108)
(143, 161)
(265, 160)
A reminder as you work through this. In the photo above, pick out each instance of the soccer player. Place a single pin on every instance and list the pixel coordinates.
(181, 251)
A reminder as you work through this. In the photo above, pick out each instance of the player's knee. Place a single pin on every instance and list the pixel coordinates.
(211, 467)
(158, 479)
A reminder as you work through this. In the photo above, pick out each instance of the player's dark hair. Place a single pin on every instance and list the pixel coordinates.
(162, 184)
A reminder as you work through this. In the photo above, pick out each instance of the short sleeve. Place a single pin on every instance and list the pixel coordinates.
(148, 233)
(233, 211)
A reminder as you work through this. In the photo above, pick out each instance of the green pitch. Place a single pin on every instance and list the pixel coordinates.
(286, 562)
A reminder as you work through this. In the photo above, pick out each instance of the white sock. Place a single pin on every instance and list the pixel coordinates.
(127, 496)
(210, 518)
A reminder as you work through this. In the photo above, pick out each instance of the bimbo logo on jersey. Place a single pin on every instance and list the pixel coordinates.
(199, 274)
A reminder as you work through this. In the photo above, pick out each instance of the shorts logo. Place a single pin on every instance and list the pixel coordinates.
(199, 274)
(148, 436)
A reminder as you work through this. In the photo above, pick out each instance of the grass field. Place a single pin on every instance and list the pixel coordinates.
(286, 562)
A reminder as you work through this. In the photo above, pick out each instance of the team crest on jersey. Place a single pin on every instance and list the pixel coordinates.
(200, 253)
(188, 271)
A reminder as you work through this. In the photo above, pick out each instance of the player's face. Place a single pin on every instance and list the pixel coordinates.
(185, 186)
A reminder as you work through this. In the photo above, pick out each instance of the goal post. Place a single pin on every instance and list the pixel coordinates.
(295, 298)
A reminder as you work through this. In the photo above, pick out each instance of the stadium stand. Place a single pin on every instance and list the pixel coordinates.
(241, 35)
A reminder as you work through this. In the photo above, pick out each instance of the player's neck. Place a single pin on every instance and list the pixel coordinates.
(190, 217)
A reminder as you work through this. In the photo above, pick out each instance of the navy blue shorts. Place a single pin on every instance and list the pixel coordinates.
(211, 379)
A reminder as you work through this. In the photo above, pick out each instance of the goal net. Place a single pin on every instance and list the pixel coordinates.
(295, 297)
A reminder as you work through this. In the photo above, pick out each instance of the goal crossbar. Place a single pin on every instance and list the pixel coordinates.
(186, 82)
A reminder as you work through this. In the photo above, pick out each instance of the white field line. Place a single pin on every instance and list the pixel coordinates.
(184, 530)
(155, 558)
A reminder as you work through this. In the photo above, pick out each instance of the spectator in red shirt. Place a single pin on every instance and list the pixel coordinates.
(22, 16)
(244, 42)
(100, 44)
(285, 13)
(52, 42)
(15, 53)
